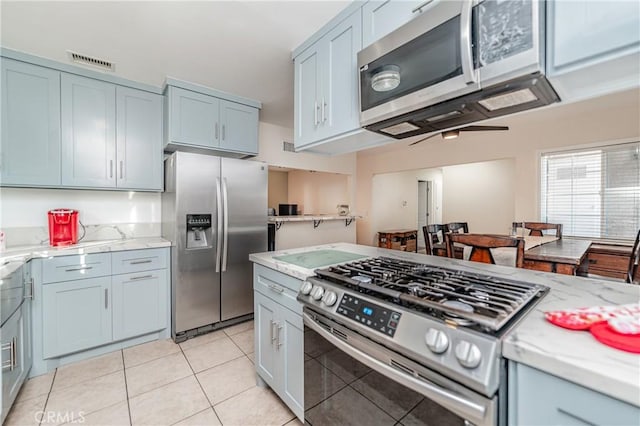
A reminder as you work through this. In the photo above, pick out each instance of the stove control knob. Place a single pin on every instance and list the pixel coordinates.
(330, 298)
(468, 354)
(436, 340)
(317, 292)
(306, 288)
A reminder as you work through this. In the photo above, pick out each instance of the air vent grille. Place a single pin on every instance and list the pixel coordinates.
(288, 146)
(92, 62)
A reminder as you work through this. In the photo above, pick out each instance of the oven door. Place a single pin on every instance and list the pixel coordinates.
(424, 62)
(351, 380)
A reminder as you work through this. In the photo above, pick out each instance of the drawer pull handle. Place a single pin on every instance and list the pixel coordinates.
(30, 295)
(106, 298)
(139, 262)
(276, 288)
(278, 343)
(273, 338)
(11, 362)
(143, 277)
(84, 268)
(419, 8)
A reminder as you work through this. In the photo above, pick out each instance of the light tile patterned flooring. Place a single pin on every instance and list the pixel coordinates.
(208, 380)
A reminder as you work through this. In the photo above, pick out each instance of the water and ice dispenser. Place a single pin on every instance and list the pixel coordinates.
(199, 233)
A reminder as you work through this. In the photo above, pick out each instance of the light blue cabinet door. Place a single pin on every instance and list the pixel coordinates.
(88, 132)
(139, 303)
(26, 313)
(307, 96)
(193, 118)
(12, 341)
(30, 148)
(76, 315)
(139, 139)
(239, 127)
(265, 357)
(587, 32)
(379, 18)
(291, 350)
(340, 110)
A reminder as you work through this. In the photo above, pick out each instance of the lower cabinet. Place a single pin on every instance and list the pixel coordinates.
(538, 398)
(279, 338)
(76, 315)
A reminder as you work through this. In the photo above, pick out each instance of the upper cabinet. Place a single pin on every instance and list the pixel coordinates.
(111, 135)
(61, 129)
(200, 119)
(379, 18)
(593, 48)
(30, 144)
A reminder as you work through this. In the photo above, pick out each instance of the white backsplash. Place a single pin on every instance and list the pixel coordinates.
(105, 214)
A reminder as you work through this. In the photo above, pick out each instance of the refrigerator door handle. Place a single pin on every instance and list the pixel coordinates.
(226, 224)
(219, 224)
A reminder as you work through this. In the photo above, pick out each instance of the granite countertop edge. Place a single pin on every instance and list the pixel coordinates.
(571, 355)
(14, 257)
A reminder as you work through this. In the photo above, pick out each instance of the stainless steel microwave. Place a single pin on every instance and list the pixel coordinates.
(455, 49)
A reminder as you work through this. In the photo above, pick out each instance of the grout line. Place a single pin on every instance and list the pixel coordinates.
(201, 388)
(90, 378)
(126, 388)
(194, 414)
(46, 401)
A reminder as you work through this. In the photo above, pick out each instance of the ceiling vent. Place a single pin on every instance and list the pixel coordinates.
(288, 146)
(92, 62)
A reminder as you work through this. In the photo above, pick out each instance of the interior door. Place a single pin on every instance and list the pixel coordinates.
(245, 185)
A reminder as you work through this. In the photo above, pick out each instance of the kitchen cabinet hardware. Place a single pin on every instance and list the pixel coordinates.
(30, 295)
(139, 262)
(217, 133)
(121, 172)
(110, 168)
(278, 343)
(223, 132)
(324, 105)
(315, 113)
(84, 268)
(279, 225)
(316, 223)
(11, 362)
(421, 6)
(272, 334)
(106, 298)
(142, 277)
(276, 288)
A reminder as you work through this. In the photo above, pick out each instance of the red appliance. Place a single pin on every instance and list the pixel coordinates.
(63, 227)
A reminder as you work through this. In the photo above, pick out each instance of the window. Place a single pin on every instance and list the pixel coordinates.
(594, 192)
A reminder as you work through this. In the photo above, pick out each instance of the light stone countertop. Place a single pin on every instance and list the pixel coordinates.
(14, 257)
(309, 218)
(572, 355)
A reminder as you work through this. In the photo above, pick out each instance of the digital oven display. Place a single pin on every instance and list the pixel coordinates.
(376, 317)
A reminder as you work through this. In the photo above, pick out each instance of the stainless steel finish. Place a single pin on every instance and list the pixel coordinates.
(11, 347)
(106, 298)
(30, 295)
(306, 287)
(315, 113)
(84, 268)
(476, 408)
(436, 340)
(225, 221)
(324, 104)
(468, 354)
(142, 277)
(329, 298)
(470, 75)
(223, 131)
(140, 262)
(276, 288)
(216, 131)
(121, 169)
(110, 168)
(272, 335)
(219, 224)
(278, 343)
(448, 89)
(419, 7)
(317, 292)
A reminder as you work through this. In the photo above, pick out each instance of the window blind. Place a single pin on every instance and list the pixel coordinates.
(594, 192)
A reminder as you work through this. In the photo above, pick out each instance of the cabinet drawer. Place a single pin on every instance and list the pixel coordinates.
(283, 280)
(277, 289)
(68, 268)
(125, 262)
(608, 261)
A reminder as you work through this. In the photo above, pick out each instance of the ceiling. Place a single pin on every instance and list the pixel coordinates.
(239, 47)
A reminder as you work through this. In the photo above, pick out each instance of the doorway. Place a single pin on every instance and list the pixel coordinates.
(425, 208)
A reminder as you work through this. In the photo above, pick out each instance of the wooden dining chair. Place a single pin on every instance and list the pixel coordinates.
(481, 246)
(434, 239)
(458, 227)
(536, 228)
(632, 272)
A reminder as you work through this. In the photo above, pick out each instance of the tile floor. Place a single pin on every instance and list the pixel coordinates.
(208, 380)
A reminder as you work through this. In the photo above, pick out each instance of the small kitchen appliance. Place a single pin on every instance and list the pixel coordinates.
(63, 227)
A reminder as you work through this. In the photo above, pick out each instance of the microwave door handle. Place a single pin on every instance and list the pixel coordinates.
(219, 225)
(466, 50)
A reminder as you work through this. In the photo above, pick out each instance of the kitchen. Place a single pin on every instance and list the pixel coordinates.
(138, 213)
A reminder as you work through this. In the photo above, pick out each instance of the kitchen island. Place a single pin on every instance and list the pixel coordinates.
(572, 357)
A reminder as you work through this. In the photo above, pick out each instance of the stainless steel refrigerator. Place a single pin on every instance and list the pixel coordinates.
(214, 211)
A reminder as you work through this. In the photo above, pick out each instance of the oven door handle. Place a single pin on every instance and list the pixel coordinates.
(470, 410)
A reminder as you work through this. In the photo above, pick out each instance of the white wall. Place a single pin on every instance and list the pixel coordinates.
(606, 119)
(28, 207)
(481, 194)
(317, 192)
(278, 192)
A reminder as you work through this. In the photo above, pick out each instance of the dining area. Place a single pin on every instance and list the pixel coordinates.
(537, 246)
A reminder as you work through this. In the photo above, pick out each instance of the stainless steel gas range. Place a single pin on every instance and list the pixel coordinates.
(433, 331)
